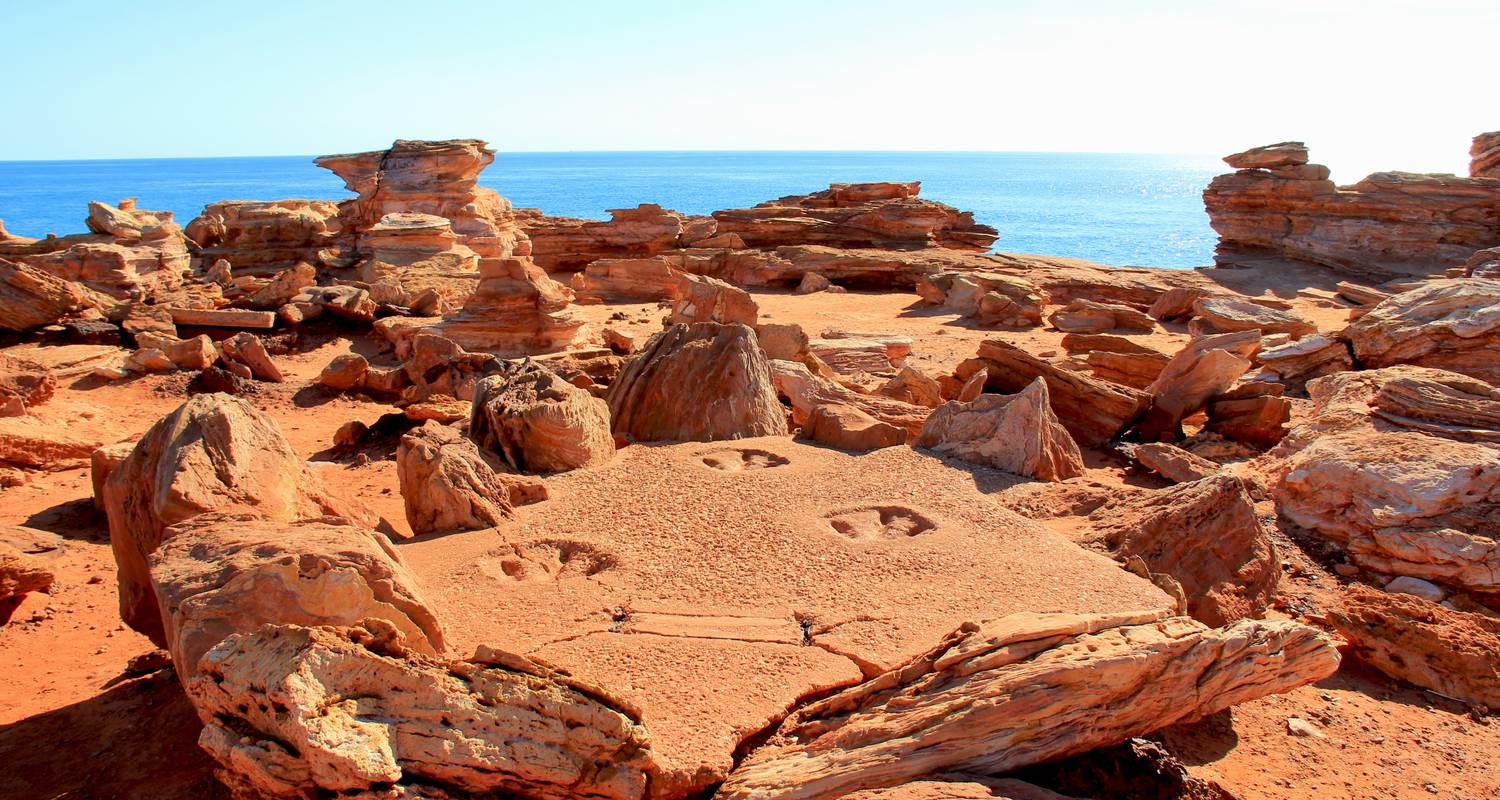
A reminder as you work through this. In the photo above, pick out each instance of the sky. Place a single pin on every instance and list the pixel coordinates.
(1368, 85)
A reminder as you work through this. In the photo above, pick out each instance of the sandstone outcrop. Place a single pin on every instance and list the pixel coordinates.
(23, 565)
(264, 238)
(225, 573)
(1172, 462)
(1093, 411)
(1401, 503)
(345, 372)
(1390, 224)
(246, 348)
(1484, 156)
(849, 428)
(807, 391)
(415, 254)
(214, 453)
(1299, 361)
(129, 253)
(1430, 645)
(26, 442)
(1206, 536)
(538, 422)
(1088, 316)
(1446, 324)
(33, 298)
(447, 485)
(1001, 694)
(1224, 314)
(564, 244)
(628, 280)
(1017, 433)
(24, 384)
(1117, 359)
(879, 215)
(701, 382)
(516, 308)
(288, 710)
(703, 299)
(1257, 420)
(1202, 369)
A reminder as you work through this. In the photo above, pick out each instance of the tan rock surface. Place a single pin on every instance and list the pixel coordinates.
(447, 485)
(848, 428)
(538, 422)
(1206, 367)
(704, 299)
(1017, 433)
(1452, 325)
(806, 391)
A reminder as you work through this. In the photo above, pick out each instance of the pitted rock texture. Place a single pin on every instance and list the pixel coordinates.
(700, 382)
(1018, 433)
(1005, 693)
(292, 710)
(129, 253)
(226, 573)
(214, 453)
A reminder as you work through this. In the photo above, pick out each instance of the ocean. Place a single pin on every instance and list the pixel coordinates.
(1119, 209)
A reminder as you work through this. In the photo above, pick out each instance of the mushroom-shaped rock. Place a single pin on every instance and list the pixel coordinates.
(1284, 154)
(1018, 433)
(1024, 689)
(1205, 534)
(224, 573)
(292, 712)
(214, 453)
(447, 485)
(1452, 325)
(538, 422)
(702, 382)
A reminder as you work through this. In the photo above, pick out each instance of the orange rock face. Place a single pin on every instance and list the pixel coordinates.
(881, 215)
(1389, 224)
(1484, 156)
(265, 237)
(129, 254)
(1017, 433)
(1452, 325)
(564, 244)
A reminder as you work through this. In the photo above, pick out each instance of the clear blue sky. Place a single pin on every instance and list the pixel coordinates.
(1375, 83)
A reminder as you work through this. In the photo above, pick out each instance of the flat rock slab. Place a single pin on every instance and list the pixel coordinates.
(713, 585)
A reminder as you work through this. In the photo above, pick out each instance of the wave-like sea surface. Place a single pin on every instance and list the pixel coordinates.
(1119, 209)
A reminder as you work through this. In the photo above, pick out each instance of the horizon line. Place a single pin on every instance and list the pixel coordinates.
(628, 152)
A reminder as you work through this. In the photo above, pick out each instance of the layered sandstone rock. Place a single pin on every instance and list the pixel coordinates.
(1447, 324)
(701, 382)
(1117, 359)
(1310, 357)
(129, 254)
(24, 384)
(807, 391)
(516, 309)
(1257, 420)
(1401, 502)
(1430, 645)
(1224, 314)
(24, 566)
(628, 280)
(214, 453)
(1017, 433)
(33, 298)
(1173, 463)
(1203, 368)
(1093, 411)
(1004, 693)
(225, 573)
(1206, 535)
(291, 710)
(879, 215)
(564, 244)
(26, 442)
(1389, 224)
(703, 299)
(849, 428)
(413, 253)
(1484, 156)
(264, 238)
(1088, 316)
(538, 422)
(446, 485)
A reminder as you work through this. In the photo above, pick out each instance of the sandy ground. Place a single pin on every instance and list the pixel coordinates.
(77, 721)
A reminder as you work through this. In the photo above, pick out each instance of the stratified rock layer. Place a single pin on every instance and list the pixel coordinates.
(1449, 324)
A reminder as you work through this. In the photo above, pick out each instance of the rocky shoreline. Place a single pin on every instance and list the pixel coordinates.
(423, 495)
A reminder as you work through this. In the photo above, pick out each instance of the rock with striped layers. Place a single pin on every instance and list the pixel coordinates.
(1018, 433)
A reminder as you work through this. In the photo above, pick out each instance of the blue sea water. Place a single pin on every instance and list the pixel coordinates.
(1119, 209)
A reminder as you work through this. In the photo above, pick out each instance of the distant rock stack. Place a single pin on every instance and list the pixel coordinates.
(1391, 224)
(1484, 156)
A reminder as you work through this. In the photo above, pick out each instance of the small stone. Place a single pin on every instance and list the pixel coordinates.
(1296, 726)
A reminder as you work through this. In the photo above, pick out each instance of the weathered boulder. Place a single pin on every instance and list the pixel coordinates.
(701, 382)
(704, 299)
(1389, 224)
(1448, 651)
(23, 565)
(1258, 420)
(1093, 411)
(1484, 156)
(214, 453)
(1446, 324)
(538, 422)
(129, 253)
(198, 352)
(849, 428)
(447, 485)
(226, 573)
(1088, 316)
(345, 372)
(246, 348)
(1206, 536)
(1018, 433)
(807, 391)
(32, 298)
(627, 280)
(1202, 369)
(1225, 314)
(267, 237)
(1172, 462)
(28, 442)
(1024, 689)
(291, 711)
(911, 385)
(283, 287)
(1117, 359)
(990, 298)
(1401, 503)
(1284, 154)
(24, 384)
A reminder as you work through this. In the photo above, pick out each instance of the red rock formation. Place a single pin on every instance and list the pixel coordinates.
(880, 215)
(565, 244)
(627, 279)
(1484, 156)
(807, 391)
(446, 485)
(538, 422)
(265, 237)
(1450, 324)
(1202, 369)
(24, 384)
(516, 309)
(849, 428)
(32, 298)
(130, 253)
(1389, 224)
(1432, 646)
(1018, 433)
